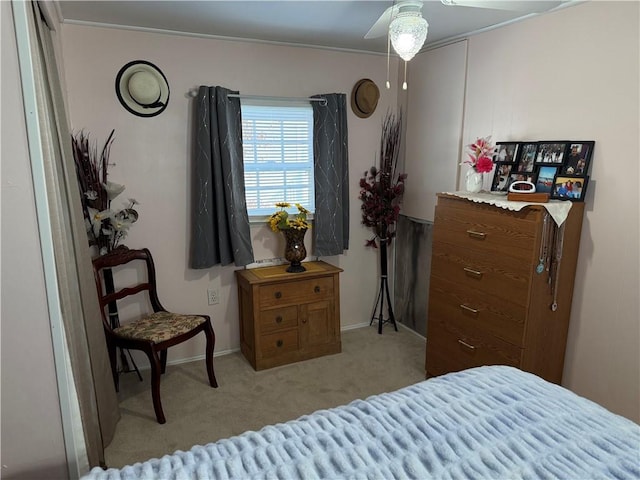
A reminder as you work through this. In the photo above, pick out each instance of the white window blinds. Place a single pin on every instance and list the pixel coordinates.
(278, 155)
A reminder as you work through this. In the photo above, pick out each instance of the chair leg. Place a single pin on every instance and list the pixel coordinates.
(163, 361)
(211, 341)
(155, 384)
(113, 360)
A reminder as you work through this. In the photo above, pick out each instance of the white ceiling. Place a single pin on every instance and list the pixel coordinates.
(333, 24)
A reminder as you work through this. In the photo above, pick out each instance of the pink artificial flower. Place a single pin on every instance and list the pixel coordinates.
(484, 165)
(480, 153)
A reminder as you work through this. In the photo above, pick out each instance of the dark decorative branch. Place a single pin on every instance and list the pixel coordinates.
(381, 189)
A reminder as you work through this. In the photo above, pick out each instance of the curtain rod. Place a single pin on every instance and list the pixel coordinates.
(323, 101)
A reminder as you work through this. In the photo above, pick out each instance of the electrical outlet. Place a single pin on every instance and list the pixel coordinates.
(213, 297)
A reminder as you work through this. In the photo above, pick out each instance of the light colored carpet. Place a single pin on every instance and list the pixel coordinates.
(248, 400)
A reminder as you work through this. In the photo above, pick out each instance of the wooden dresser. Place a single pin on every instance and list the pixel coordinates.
(288, 317)
(488, 304)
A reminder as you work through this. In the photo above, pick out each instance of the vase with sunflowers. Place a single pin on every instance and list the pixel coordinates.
(293, 227)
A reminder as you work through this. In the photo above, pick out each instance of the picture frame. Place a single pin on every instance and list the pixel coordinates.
(506, 152)
(527, 157)
(501, 175)
(578, 158)
(545, 177)
(551, 152)
(570, 187)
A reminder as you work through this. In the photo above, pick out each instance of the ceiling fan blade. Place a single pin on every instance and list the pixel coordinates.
(381, 27)
(530, 6)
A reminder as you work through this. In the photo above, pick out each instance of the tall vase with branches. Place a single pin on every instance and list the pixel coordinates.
(381, 191)
(106, 226)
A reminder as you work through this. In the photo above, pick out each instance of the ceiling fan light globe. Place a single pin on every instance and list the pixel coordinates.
(408, 33)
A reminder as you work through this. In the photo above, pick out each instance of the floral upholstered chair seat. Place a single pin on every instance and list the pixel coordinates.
(154, 333)
(160, 326)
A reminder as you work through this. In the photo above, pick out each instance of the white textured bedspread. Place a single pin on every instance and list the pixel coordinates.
(484, 423)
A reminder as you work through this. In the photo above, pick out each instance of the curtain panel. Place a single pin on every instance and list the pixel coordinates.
(331, 172)
(86, 344)
(220, 223)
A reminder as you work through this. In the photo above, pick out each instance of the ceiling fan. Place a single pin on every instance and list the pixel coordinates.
(381, 26)
(406, 30)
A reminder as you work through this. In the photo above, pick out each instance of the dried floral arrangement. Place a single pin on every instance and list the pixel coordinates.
(106, 227)
(381, 188)
(281, 220)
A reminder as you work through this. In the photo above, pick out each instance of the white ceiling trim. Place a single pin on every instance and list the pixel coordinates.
(85, 23)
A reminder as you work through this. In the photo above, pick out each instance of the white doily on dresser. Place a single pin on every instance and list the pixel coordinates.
(558, 209)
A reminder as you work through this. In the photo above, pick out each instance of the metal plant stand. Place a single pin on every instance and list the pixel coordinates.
(378, 309)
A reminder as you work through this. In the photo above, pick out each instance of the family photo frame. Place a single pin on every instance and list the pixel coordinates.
(551, 153)
(556, 167)
(506, 152)
(578, 158)
(571, 187)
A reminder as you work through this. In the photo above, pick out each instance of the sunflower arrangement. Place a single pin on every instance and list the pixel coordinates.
(281, 220)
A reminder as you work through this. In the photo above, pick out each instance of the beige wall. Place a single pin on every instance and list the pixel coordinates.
(32, 439)
(152, 155)
(573, 74)
(598, 102)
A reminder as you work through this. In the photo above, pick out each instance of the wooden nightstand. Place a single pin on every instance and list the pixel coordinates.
(288, 317)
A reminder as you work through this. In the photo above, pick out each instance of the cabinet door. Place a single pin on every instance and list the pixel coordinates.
(317, 326)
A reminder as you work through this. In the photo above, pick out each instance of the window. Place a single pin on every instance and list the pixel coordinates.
(278, 155)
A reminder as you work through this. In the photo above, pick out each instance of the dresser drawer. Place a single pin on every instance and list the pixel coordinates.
(288, 293)
(468, 346)
(492, 231)
(278, 319)
(502, 276)
(279, 343)
(470, 308)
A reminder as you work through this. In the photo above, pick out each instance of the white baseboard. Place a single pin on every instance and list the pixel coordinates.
(199, 358)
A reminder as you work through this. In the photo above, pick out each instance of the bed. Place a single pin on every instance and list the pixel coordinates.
(494, 422)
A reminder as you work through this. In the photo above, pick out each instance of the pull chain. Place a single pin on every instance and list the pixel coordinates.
(404, 84)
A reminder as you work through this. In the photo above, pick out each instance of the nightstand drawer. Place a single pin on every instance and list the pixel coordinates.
(279, 343)
(504, 277)
(494, 232)
(278, 319)
(288, 293)
(468, 307)
(470, 347)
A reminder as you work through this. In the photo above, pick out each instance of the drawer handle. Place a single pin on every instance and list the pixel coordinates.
(469, 309)
(278, 319)
(316, 289)
(466, 345)
(472, 273)
(279, 343)
(278, 294)
(477, 235)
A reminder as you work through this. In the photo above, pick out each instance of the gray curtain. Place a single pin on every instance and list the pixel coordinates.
(78, 297)
(331, 172)
(220, 224)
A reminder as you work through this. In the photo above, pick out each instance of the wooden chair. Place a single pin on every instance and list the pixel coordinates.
(153, 333)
